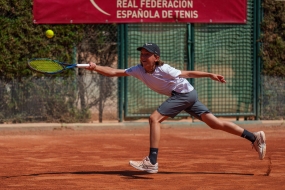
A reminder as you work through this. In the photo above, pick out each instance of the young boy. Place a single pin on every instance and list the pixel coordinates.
(164, 79)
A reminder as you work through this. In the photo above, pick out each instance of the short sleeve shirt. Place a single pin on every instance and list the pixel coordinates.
(163, 80)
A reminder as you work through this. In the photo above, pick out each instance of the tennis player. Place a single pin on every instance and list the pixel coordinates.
(164, 79)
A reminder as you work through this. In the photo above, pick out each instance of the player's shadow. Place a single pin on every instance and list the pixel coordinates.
(129, 174)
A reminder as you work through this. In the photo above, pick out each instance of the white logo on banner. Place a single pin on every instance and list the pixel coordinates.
(98, 8)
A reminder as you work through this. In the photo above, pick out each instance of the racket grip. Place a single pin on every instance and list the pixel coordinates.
(82, 65)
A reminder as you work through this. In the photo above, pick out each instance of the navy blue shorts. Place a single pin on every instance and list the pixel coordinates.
(183, 101)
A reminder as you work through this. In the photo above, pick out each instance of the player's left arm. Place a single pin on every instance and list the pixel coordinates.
(201, 74)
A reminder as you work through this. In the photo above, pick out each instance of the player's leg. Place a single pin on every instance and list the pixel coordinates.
(201, 112)
(170, 108)
(215, 123)
(154, 122)
(149, 163)
(257, 138)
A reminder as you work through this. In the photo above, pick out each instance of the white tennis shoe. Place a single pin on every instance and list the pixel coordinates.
(145, 165)
(259, 144)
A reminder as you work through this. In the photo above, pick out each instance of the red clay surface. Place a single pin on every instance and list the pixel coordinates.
(189, 158)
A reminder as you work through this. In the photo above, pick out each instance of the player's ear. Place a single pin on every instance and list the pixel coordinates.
(157, 57)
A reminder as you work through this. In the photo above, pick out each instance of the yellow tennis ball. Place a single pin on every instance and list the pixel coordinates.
(49, 33)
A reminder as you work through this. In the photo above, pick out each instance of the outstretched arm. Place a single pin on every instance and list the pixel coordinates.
(107, 71)
(200, 74)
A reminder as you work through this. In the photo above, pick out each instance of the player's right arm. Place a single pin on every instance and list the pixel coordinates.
(107, 71)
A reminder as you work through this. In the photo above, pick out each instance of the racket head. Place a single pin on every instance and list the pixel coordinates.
(45, 65)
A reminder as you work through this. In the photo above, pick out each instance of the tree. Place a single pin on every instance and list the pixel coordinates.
(273, 38)
(98, 45)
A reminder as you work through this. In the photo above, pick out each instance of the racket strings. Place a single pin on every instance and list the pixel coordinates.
(46, 66)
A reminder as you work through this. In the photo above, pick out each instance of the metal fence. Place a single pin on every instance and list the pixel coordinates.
(272, 98)
(59, 99)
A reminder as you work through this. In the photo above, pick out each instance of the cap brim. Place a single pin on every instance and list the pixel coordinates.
(139, 48)
(149, 50)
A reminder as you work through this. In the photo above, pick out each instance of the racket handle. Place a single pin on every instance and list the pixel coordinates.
(82, 65)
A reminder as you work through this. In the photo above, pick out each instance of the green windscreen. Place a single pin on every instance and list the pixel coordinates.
(226, 49)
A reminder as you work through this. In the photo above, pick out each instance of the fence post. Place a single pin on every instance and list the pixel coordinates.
(121, 61)
(258, 19)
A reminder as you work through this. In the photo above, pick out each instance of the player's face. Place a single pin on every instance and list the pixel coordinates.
(148, 60)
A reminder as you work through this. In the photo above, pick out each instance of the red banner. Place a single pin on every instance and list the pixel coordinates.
(135, 11)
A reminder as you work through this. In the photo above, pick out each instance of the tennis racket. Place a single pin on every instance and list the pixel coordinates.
(49, 66)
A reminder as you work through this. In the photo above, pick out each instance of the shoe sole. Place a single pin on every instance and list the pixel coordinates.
(263, 139)
(142, 169)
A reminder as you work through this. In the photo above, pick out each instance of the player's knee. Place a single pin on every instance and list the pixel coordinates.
(153, 119)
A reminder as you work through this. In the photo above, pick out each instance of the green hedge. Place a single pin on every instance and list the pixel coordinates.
(273, 38)
(24, 94)
(21, 39)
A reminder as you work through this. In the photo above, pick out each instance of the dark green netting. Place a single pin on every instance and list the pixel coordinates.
(227, 49)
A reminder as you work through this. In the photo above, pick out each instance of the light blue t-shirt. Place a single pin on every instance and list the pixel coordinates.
(163, 80)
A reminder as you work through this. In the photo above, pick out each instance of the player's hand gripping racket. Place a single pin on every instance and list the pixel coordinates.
(48, 66)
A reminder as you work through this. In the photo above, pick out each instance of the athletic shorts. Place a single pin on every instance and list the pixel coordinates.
(183, 101)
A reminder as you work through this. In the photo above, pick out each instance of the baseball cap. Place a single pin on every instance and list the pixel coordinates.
(151, 47)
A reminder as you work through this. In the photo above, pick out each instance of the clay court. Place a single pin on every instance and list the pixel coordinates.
(97, 158)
